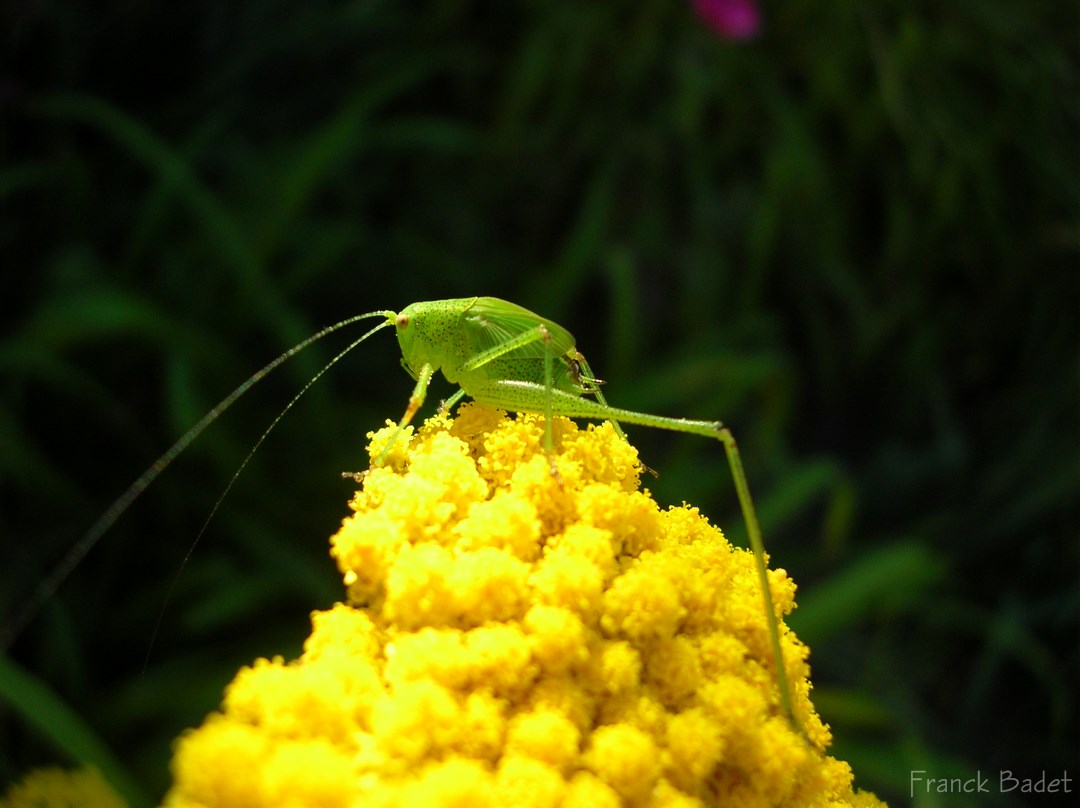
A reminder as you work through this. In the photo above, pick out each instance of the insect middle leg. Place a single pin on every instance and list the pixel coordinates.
(539, 333)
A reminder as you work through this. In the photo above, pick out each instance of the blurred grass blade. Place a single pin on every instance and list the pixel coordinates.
(43, 710)
(624, 320)
(801, 487)
(896, 577)
(220, 227)
(163, 161)
(327, 150)
(76, 320)
(563, 280)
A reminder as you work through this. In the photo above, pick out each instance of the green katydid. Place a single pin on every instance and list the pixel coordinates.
(498, 354)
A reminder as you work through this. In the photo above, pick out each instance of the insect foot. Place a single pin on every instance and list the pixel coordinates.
(506, 640)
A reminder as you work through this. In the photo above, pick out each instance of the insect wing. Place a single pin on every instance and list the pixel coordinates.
(490, 322)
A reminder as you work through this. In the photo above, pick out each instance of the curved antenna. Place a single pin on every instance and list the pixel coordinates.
(49, 584)
(239, 471)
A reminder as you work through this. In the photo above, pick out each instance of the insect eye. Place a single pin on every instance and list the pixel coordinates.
(402, 321)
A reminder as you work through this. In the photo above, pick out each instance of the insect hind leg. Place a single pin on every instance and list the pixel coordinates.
(532, 397)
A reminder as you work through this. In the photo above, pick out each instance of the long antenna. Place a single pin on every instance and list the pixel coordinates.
(236, 476)
(59, 573)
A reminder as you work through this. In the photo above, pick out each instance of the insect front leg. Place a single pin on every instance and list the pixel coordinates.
(416, 401)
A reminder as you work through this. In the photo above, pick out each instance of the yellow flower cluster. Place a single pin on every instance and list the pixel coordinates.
(515, 637)
(62, 788)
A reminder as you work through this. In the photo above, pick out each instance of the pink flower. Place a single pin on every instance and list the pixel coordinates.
(732, 19)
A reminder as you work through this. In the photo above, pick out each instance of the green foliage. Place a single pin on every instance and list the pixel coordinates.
(854, 239)
(42, 710)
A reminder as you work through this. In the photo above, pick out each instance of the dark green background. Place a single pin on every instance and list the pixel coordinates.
(855, 239)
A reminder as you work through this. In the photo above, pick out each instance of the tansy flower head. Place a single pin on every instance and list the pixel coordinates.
(54, 787)
(513, 637)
